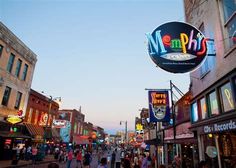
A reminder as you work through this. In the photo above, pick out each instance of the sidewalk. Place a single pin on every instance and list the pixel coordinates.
(24, 163)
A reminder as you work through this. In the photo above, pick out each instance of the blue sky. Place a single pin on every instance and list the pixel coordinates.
(93, 53)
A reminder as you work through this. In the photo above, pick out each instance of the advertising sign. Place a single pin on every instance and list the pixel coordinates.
(220, 127)
(58, 123)
(65, 132)
(178, 47)
(159, 106)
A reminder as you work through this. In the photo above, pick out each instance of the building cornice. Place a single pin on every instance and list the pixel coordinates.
(13, 41)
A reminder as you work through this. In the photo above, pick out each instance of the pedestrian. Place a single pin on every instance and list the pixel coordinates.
(103, 163)
(28, 153)
(118, 159)
(176, 162)
(79, 159)
(144, 161)
(136, 161)
(126, 162)
(34, 154)
(69, 158)
(113, 159)
(149, 161)
(87, 160)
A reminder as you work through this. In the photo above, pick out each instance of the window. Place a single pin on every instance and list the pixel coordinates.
(214, 110)
(194, 112)
(203, 108)
(36, 118)
(227, 97)
(229, 9)
(25, 72)
(30, 115)
(18, 100)
(18, 67)
(1, 48)
(10, 62)
(6, 96)
(75, 128)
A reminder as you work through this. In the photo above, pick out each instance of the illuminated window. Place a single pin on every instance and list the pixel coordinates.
(10, 62)
(229, 9)
(36, 117)
(203, 108)
(6, 96)
(30, 115)
(227, 97)
(214, 109)
(194, 112)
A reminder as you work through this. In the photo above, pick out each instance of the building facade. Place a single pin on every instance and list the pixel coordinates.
(213, 85)
(40, 113)
(17, 63)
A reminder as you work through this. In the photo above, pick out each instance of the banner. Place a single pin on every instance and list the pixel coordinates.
(159, 106)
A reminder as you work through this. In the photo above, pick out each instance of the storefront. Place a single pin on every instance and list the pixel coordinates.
(213, 118)
(12, 136)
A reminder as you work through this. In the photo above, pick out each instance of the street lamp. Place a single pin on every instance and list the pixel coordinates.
(126, 132)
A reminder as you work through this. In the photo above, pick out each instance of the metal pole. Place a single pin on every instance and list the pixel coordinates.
(49, 111)
(156, 164)
(173, 113)
(126, 132)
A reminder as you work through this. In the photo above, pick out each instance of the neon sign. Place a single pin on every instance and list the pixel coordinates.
(177, 47)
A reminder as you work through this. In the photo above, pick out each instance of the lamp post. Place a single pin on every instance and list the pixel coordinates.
(126, 131)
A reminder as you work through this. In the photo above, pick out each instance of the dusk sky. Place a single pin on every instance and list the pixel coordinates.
(93, 53)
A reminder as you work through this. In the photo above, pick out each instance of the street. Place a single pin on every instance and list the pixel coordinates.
(94, 163)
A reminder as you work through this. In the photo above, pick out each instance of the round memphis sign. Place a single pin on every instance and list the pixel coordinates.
(177, 47)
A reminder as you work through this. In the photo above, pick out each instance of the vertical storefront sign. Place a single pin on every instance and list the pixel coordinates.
(159, 106)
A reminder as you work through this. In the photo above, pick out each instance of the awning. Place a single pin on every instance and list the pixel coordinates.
(7, 134)
(155, 141)
(80, 140)
(182, 141)
(35, 130)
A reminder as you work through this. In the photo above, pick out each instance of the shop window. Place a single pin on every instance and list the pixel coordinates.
(18, 100)
(227, 97)
(194, 112)
(6, 96)
(203, 108)
(213, 108)
(229, 9)
(10, 62)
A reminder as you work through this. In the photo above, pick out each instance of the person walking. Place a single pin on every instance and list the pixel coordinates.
(144, 162)
(103, 163)
(87, 160)
(118, 159)
(69, 158)
(79, 159)
(113, 159)
(34, 154)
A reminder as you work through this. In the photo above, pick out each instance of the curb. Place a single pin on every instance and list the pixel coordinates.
(28, 164)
